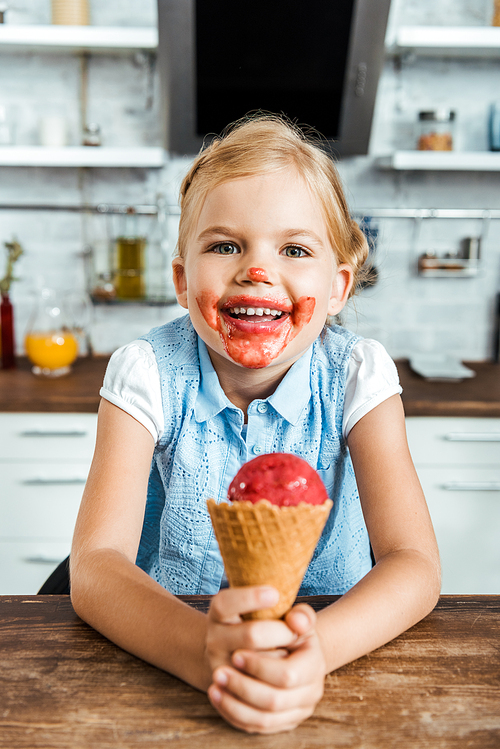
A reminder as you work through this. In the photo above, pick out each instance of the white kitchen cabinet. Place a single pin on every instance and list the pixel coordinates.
(44, 462)
(458, 463)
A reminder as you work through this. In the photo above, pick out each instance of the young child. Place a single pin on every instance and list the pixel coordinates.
(267, 251)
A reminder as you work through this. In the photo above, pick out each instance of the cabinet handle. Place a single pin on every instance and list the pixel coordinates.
(54, 433)
(472, 486)
(52, 481)
(42, 559)
(472, 437)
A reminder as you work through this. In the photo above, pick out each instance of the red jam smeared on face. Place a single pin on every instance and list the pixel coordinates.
(258, 275)
(207, 302)
(251, 341)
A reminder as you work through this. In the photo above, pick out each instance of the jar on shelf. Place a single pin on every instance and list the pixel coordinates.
(436, 130)
(70, 12)
(495, 21)
(130, 267)
(91, 135)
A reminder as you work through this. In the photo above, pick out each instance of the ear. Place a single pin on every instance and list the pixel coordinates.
(180, 281)
(341, 286)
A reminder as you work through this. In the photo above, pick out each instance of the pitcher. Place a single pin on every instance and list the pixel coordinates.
(51, 340)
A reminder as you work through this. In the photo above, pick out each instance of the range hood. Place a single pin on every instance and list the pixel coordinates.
(318, 62)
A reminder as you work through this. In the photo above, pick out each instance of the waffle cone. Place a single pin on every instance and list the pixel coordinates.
(263, 544)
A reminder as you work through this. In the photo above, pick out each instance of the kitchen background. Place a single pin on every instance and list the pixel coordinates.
(406, 311)
(410, 201)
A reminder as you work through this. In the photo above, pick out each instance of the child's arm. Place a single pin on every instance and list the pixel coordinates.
(107, 589)
(119, 599)
(400, 590)
(404, 585)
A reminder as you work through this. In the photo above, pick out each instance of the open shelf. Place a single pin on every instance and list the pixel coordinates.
(446, 41)
(77, 38)
(457, 161)
(75, 156)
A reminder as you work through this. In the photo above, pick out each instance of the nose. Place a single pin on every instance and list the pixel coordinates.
(257, 275)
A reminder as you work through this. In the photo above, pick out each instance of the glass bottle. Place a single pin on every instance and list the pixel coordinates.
(7, 333)
(51, 342)
(130, 267)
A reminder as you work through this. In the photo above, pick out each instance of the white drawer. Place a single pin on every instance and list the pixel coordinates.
(25, 566)
(455, 441)
(476, 482)
(40, 500)
(465, 511)
(41, 436)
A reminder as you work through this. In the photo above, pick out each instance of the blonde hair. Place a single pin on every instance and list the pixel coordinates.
(264, 143)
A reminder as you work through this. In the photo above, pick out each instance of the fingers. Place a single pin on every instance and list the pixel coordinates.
(227, 632)
(254, 720)
(301, 619)
(230, 603)
(262, 696)
(251, 635)
(302, 666)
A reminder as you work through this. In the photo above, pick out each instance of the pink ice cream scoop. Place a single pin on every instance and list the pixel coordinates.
(281, 478)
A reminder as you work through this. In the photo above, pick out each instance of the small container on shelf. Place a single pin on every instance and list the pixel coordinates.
(91, 135)
(495, 21)
(494, 127)
(130, 267)
(70, 12)
(436, 130)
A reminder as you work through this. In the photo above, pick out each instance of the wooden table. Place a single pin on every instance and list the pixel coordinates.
(64, 685)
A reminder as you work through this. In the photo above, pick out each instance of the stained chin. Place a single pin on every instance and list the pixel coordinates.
(254, 351)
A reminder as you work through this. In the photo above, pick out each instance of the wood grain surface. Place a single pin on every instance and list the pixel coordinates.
(20, 390)
(77, 392)
(477, 396)
(64, 685)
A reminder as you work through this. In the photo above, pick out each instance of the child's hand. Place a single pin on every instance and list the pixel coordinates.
(268, 692)
(228, 632)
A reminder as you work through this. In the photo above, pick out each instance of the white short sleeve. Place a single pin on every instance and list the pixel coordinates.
(132, 382)
(372, 377)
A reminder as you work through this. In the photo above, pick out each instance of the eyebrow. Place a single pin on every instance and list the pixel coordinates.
(296, 233)
(216, 231)
(288, 234)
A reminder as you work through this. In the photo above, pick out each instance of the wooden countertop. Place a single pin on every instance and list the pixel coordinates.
(20, 390)
(64, 685)
(477, 396)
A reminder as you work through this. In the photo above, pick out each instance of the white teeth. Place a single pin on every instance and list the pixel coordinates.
(254, 311)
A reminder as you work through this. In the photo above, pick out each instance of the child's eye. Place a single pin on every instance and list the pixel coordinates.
(225, 248)
(293, 251)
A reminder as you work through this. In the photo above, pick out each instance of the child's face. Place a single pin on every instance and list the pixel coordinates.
(260, 276)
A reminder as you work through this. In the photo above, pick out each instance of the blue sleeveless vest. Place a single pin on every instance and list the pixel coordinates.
(202, 448)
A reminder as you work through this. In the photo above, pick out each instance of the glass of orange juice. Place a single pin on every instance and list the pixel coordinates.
(51, 343)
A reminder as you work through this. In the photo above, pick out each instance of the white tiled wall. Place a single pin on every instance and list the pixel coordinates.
(404, 311)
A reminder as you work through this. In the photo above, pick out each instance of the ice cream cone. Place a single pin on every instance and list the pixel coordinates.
(263, 544)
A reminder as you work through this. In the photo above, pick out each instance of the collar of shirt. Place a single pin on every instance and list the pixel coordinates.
(289, 399)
